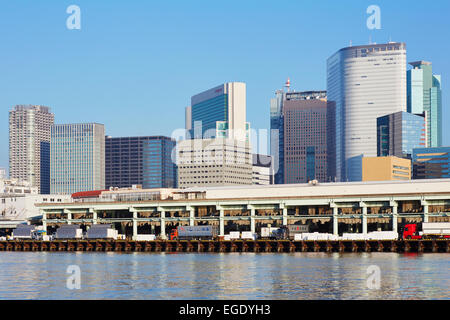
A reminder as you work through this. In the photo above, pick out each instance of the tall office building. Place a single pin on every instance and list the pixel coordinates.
(2, 173)
(305, 136)
(424, 96)
(145, 161)
(262, 169)
(431, 163)
(363, 83)
(219, 112)
(29, 141)
(399, 133)
(77, 156)
(277, 133)
(213, 162)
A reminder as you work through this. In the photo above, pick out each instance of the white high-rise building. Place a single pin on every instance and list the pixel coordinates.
(29, 145)
(363, 83)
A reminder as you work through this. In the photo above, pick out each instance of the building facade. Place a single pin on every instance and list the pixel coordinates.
(305, 137)
(29, 141)
(385, 168)
(145, 161)
(219, 112)
(431, 163)
(399, 133)
(425, 97)
(262, 168)
(213, 162)
(363, 83)
(77, 156)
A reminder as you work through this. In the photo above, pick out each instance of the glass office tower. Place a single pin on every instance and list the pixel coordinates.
(77, 157)
(219, 112)
(425, 96)
(363, 83)
(145, 161)
(431, 163)
(399, 133)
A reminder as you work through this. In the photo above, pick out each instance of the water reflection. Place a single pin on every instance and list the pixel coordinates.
(42, 275)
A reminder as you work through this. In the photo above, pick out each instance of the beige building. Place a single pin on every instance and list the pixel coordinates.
(385, 168)
(213, 162)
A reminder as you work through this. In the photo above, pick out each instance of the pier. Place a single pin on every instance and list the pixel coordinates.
(280, 246)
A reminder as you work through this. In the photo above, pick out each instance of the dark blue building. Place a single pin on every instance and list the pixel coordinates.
(431, 163)
(145, 161)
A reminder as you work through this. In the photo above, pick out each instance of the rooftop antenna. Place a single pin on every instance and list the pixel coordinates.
(288, 85)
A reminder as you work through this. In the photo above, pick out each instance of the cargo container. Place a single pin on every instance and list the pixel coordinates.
(234, 235)
(145, 237)
(101, 231)
(294, 229)
(69, 231)
(194, 232)
(23, 231)
(248, 235)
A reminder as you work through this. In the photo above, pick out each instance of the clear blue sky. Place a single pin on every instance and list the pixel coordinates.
(135, 64)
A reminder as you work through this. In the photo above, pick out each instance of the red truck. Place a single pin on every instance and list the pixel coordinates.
(430, 230)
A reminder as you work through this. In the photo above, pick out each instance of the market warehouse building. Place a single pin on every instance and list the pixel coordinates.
(327, 207)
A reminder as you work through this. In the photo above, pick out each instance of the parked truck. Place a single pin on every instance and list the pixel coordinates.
(102, 231)
(194, 232)
(69, 231)
(23, 231)
(294, 229)
(430, 230)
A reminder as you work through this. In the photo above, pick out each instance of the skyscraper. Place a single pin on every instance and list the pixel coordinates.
(277, 132)
(424, 96)
(305, 136)
(399, 133)
(29, 140)
(431, 163)
(363, 83)
(145, 161)
(77, 156)
(219, 112)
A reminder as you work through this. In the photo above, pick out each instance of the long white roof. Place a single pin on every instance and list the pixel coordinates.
(327, 189)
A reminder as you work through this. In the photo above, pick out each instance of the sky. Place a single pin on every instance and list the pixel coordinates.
(134, 65)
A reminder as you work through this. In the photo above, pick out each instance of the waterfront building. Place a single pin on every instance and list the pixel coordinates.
(77, 156)
(219, 112)
(425, 97)
(305, 137)
(431, 163)
(326, 207)
(385, 168)
(29, 145)
(19, 208)
(213, 162)
(12, 187)
(363, 83)
(262, 169)
(145, 161)
(399, 133)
